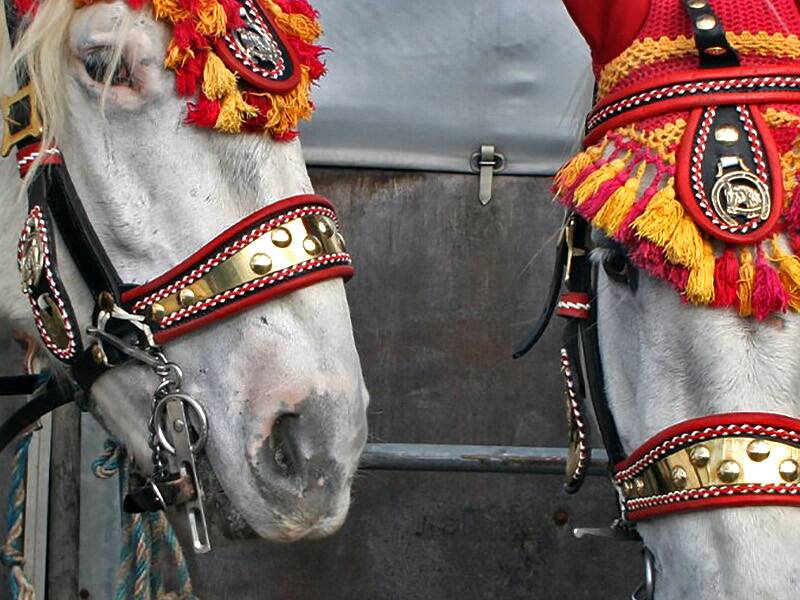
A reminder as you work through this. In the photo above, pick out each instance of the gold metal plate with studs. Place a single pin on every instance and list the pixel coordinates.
(14, 132)
(294, 242)
(718, 462)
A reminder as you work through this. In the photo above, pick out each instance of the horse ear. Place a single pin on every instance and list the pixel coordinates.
(594, 16)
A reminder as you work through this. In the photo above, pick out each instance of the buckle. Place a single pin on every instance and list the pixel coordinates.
(13, 112)
(572, 249)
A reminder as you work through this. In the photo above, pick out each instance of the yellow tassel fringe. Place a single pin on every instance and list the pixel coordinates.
(592, 183)
(570, 172)
(661, 217)
(211, 19)
(747, 275)
(788, 271)
(170, 10)
(233, 113)
(685, 246)
(295, 23)
(700, 286)
(619, 204)
(218, 80)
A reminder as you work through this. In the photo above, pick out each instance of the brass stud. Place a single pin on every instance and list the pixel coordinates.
(758, 450)
(339, 239)
(106, 301)
(98, 355)
(260, 263)
(698, 3)
(186, 297)
(639, 483)
(679, 477)
(699, 456)
(728, 471)
(312, 245)
(705, 22)
(281, 237)
(326, 226)
(726, 135)
(788, 470)
(157, 312)
(627, 488)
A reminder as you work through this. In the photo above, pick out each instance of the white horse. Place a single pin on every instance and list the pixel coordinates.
(281, 383)
(664, 362)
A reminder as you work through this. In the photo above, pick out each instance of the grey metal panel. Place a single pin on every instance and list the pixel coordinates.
(421, 84)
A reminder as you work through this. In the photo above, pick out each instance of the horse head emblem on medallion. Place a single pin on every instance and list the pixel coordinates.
(739, 193)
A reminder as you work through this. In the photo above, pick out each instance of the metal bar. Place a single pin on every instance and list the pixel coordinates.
(37, 489)
(481, 459)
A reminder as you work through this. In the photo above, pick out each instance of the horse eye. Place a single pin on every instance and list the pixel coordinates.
(97, 63)
(618, 267)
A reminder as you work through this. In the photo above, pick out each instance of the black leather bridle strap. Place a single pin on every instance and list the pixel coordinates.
(44, 398)
(540, 326)
(580, 334)
(709, 36)
(53, 187)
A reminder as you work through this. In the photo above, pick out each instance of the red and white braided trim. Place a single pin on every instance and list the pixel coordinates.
(732, 85)
(62, 353)
(577, 417)
(714, 491)
(685, 439)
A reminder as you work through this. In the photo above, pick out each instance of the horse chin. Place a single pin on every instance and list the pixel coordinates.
(227, 522)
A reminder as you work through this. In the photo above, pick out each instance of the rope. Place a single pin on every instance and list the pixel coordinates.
(145, 539)
(11, 552)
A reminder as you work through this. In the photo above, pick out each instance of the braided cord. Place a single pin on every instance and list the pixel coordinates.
(146, 538)
(11, 552)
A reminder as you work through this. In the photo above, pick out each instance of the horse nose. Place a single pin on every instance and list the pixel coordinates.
(312, 448)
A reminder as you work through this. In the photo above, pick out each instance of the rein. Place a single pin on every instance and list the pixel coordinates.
(276, 250)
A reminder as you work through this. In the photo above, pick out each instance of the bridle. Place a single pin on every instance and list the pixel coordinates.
(283, 247)
(710, 462)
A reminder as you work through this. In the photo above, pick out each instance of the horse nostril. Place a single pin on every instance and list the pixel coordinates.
(283, 447)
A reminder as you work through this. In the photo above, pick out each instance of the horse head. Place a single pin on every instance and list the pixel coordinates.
(281, 382)
(692, 316)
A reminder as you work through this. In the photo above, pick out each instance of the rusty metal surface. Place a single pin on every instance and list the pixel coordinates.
(444, 289)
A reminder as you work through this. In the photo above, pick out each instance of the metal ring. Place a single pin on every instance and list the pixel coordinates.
(647, 589)
(160, 408)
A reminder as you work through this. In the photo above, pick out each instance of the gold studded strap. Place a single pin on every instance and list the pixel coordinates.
(735, 459)
(278, 249)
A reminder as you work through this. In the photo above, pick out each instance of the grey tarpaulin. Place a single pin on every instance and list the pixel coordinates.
(421, 84)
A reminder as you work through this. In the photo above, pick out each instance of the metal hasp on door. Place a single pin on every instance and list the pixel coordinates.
(486, 163)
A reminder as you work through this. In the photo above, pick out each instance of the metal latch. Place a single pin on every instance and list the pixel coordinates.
(486, 162)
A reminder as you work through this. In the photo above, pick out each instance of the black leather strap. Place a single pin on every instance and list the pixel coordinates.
(550, 305)
(709, 35)
(49, 396)
(52, 187)
(21, 385)
(580, 335)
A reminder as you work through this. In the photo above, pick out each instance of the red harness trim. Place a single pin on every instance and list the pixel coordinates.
(679, 436)
(233, 239)
(693, 89)
(574, 304)
(27, 155)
